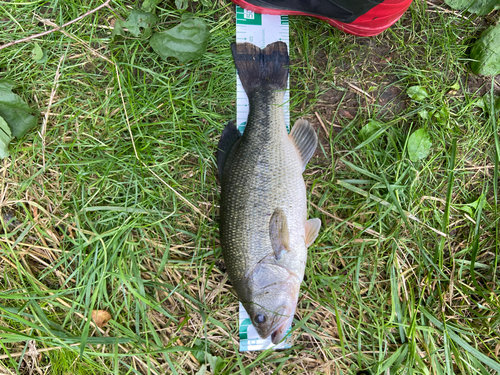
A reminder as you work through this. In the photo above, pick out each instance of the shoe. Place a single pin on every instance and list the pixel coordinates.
(357, 17)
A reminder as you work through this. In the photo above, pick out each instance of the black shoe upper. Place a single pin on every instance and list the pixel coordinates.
(340, 10)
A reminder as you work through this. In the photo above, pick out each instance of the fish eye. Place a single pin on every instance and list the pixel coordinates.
(259, 318)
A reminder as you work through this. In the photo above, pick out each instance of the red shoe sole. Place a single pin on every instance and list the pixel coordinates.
(372, 23)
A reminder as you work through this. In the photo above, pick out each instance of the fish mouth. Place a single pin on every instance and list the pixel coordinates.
(284, 320)
(283, 324)
(281, 330)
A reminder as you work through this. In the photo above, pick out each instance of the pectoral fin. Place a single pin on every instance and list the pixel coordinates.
(278, 232)
(312, 229)
(229, 137)
(305, 139)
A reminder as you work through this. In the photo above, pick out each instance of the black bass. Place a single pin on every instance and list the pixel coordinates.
(264, 230)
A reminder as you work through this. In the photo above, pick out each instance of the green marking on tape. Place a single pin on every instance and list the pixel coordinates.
(244, 329)
(247, 17)
(244, 325)
(241, 128)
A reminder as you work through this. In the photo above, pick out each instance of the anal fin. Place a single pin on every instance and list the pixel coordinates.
(312, 229)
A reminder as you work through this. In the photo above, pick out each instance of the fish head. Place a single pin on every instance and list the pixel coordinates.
(273, 302)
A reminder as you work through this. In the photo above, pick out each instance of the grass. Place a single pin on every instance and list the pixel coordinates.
(115, 207)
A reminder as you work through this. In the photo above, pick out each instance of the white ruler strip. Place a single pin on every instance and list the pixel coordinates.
(261, 30)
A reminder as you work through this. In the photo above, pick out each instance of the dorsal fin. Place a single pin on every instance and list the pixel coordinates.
(228, 138)
(305, 139)
(278, 232)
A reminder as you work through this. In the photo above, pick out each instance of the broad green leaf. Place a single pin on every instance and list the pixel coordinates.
(37, 53)
(424, 114)
(486, 52)
(199, 351)
(417, 93)
(470, 208)
(5, 138)
(212, 361)
(186, 41)
(369, 129)
(204, 357)
(15, 111)
(181, 4)
(465, 208)
(138, 24)
(202, 370)
(475, 204)
(442, 115)
(44, 58)
(481, 7)
(419, 145)
(149, 5)
(455, 86)
(487, 104)
(480, 103)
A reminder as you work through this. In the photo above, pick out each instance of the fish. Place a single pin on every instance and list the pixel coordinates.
(263, 226)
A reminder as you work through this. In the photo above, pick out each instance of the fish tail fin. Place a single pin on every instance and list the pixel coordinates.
(261, 67)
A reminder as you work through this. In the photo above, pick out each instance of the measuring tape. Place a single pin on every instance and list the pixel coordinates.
(261, 30)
